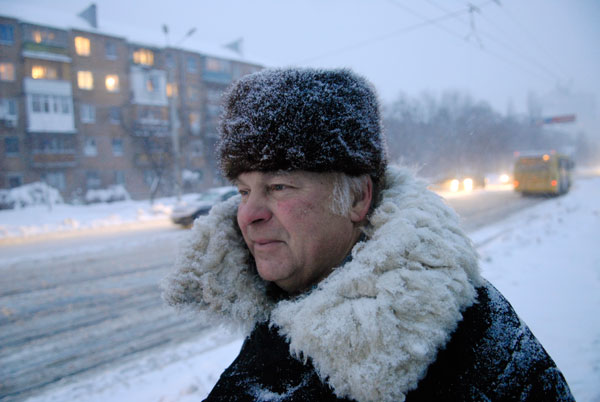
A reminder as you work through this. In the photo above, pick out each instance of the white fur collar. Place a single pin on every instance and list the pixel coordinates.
(375, 324)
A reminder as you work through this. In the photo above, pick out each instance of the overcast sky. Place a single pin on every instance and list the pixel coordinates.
(497, 52)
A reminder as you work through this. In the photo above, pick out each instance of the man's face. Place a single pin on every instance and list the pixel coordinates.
(288, 225)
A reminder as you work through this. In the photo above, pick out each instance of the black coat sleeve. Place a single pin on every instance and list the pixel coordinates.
(492, 356)
(265, 370)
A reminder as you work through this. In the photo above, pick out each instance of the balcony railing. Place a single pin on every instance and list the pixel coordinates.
(47, 159)
(155, 158)
(151, 128)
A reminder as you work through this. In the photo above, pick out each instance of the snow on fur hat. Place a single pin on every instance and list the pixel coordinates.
(302, 119)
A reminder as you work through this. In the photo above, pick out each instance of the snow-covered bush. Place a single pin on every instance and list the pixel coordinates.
(111, 194)
(190, 176)
(37, 193)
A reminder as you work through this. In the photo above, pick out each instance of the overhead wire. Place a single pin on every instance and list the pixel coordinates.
(403, 30)
(558, 75)
(449, 15)
(523, 57)
(534, 39)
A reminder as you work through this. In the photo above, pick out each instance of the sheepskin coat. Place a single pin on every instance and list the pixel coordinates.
(407, 316)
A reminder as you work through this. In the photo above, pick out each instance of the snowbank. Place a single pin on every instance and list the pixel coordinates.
(67, 220)
(546, 261)
(37, 193)
(111, 194)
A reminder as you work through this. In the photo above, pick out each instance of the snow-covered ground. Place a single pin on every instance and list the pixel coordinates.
(546, 261)
(40, 221)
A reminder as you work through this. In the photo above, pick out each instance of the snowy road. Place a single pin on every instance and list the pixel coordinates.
(71, 306)
(65, 313)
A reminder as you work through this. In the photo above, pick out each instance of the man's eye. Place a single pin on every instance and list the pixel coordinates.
(278, 187)
(243, 193)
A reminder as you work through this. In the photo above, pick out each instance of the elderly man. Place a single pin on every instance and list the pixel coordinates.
(353, 281)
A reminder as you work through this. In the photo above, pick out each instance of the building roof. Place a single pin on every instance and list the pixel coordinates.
(51, 17)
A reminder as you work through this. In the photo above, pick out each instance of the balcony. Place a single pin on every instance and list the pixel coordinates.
(53, 160)
(153, 159)
(151, 128)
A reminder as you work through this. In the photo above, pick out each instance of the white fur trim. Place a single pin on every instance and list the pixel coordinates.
(375, 324)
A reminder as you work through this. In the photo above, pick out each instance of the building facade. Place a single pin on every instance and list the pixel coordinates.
(82, 110)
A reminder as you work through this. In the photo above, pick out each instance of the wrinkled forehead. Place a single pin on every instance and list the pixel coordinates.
(300, 176)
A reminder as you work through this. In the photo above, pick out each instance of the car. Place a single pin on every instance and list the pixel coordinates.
(186, 212)
(459, 182)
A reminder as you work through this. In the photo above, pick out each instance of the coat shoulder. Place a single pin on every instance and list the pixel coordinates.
(492, 355)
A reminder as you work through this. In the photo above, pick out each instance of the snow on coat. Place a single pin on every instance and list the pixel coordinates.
(374, 326)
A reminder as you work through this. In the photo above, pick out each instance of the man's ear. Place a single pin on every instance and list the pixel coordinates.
(362, 201)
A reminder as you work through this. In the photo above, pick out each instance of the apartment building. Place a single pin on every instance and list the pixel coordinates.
(12, 138)
(84, 109)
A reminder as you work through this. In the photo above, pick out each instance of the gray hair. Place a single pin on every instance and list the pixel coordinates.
(346, 188)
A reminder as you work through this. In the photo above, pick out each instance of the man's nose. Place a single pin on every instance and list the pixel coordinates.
(253, 210)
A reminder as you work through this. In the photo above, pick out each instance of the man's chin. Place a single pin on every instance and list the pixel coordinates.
(272, 271)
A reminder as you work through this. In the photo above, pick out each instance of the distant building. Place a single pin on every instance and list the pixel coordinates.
(85, 110)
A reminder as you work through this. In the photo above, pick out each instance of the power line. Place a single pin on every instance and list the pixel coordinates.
(534, 38)
(507, 46)
(404, 30)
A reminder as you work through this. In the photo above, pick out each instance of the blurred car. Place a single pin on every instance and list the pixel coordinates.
(498, 180)
(459, 182)
(186, 212)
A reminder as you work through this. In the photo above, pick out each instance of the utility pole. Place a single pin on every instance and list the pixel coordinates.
(173, 119)
(174, 122)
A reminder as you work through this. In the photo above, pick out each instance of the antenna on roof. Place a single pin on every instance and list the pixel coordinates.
(236, 46)
(89, 15)
(165, 29)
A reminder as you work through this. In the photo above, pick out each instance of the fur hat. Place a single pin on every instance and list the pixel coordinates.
(302, 119)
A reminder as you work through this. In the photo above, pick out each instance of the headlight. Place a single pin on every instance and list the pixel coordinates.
(504, 179)
(454, 185)
(468, 184)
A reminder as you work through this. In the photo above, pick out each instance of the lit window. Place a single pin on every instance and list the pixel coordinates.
(37, 36)
(7, 72)
(143, 56)
(171, 90)
(85, 80)
(87, 113)
(82, 46)
(44, 36)
(43, 72)
(217, 65)
(112, 83)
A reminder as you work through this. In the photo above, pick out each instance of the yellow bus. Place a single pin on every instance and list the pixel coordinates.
(544, 173)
